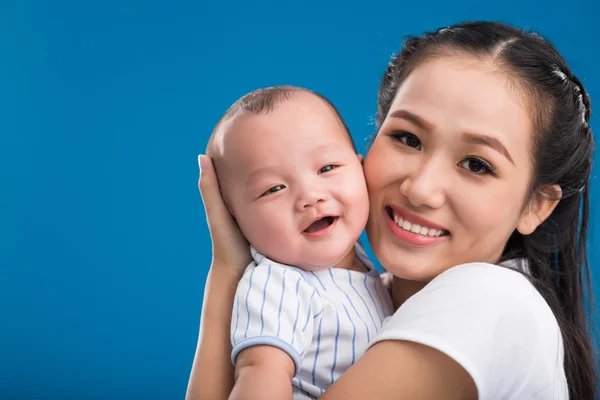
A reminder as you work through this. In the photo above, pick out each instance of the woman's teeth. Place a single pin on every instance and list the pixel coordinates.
(416, 228)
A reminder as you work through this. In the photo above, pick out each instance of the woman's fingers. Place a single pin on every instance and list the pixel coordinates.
(214, 206)
(229, 245)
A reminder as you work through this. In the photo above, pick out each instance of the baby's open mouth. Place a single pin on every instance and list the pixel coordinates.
(320, 224)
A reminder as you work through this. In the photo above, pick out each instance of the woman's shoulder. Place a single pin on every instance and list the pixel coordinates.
(492, 321)
(482, 292)
(486, 275)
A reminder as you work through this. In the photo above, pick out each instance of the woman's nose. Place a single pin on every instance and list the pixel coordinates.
(425, 186)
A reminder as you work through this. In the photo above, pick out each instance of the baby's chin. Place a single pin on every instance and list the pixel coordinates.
(335, 256)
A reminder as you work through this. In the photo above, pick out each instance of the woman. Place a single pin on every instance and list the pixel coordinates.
(483, 133)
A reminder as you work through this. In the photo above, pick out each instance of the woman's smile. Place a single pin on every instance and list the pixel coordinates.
(413, 229)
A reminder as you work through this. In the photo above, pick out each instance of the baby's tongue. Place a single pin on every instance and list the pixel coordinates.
(318, 225)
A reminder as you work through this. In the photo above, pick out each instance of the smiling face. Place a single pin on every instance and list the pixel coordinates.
(294, 183)
(449, 170)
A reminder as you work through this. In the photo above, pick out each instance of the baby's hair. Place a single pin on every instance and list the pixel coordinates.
(265, 100)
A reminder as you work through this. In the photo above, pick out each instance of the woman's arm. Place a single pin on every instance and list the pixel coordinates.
(463, 336)
(212, 371)
(403, 370)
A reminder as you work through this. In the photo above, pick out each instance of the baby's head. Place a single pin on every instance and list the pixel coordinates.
(290, 175)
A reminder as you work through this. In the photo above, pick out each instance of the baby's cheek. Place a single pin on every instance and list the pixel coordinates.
(357, 208)
(250, 221)
(273, 223)
(359, 195)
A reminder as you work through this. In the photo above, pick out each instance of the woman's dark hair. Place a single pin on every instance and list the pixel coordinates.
(562, 155)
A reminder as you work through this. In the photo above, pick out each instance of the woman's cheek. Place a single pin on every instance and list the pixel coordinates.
(379, 168)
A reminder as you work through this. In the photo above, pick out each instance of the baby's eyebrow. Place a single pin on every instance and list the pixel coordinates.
(328, 146)
(256, 174)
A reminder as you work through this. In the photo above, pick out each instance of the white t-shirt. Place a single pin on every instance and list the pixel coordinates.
(323, 319)
(494, 323)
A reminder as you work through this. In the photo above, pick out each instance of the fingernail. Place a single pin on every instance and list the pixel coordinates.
(203, 162)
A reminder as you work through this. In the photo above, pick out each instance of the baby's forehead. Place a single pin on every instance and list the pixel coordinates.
(275, 149)
(297, 104)
(248, 163)
(302, 126)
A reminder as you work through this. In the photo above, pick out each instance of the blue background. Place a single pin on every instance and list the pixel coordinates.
(105, 105)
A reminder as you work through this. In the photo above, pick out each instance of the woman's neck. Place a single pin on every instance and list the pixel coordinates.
(402, 289)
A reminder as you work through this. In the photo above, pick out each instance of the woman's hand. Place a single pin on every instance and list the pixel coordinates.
(229, 247)
(212, 370)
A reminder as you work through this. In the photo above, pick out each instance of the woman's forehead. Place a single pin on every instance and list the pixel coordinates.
(457, 96)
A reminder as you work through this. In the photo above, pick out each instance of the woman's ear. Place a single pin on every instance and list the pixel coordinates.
(541, 205)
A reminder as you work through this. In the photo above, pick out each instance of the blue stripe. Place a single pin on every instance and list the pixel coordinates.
(363, 300)
(307, 317)
(281, 304)
(373, 300)
(317, 314)
(237, 315)
(352, 304)
(315, 275)
(247, 309)
(253, 252)
(262, 307)
(335, 349)
(353, 334)
(297, 311)
(301, 272)
(314, 376)
(309, 310)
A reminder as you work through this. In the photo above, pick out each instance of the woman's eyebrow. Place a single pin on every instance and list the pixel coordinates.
(488, 141)
(415, 119)
(469, 137)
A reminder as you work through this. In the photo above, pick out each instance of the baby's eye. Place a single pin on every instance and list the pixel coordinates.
(274, 189)
(327, 168)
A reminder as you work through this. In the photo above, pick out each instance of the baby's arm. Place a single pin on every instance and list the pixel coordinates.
(271, 329)
(263, 372)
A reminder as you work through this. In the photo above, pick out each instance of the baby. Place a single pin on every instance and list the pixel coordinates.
(310, 302)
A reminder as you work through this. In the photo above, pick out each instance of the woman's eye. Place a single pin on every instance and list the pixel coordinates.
(477, 166)
(408, 139)
(326, 168)
(273, 189)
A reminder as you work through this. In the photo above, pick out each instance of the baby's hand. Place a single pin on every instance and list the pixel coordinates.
(230, 248)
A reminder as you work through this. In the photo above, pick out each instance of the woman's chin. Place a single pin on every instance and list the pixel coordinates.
(408, 266)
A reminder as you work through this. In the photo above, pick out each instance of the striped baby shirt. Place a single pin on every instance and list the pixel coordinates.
(324, 319)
